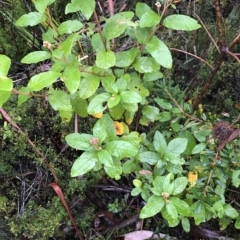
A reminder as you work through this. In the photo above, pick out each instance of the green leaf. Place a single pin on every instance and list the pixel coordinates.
(179, 185)
(129, 166)
(60, 100)
(163, 103)
(109, 84)
(115, 170)
(117, 24)
(105, 59)
(126, 58)
(86, 7)
(160, 52)
(166, 186)
(97, 43)
(96, 104)
(159, 142)
(41, 5)
(130, 97)
(121, 149)
(79, 105)
(123, 82)
(172, 211)
(164, 116)
(117, 111)
(84, 164)
(154, 205)
(172, 222)
(142, 34)
(148, 157)
(6, 86)
(35, 57)
(42, 80)
(153, 76)
(69, 26)
(237, 223)
(69, 43)
(113, 101)
(236, 178)
(136, 191)
(177, 145)
(105, 158)
(21, 97)
(230, 211)
(5, 63)
(182, 207)
(199, 148)
(71, 78)
(146, 65)
(108, 126)
(88, 86)
(141, 9)
(137, 183)
(149, 19)
(201, 135)
(99, 131)
(185, 224)
(150, 112)
(79, 141)
(31, 19)
(191, 140)
(181, 22)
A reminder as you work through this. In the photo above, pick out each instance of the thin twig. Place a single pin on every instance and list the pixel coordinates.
(233, 55)
(178, 50)
(208, 33)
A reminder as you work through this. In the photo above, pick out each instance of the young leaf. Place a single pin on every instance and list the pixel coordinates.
(154, 205)
(159, 142)
(121, 149)
(69, 26)
(185, 224)
(230, 211)
(179, 185)
(79, 141)
(172, 222)
(172, 211)
(181, 22)
(42, 80)
(86, 7)
(105, 158)
(113, 101)
(71, 78)
(115, 170)
(177, 145)
(96, 104)
(5, 65)
(149, 19)
(31, 19)
(35, 57)
(166, 186)
(88, 86)
(84, 163)
(108, 82)
(159, 52)
(236, 178)
(105, 59)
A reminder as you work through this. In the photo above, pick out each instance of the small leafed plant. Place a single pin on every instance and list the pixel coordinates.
(116, 87)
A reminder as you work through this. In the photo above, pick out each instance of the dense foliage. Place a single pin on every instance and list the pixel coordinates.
(115, 79)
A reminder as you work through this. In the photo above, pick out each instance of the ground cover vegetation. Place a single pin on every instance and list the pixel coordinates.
(120, 115)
